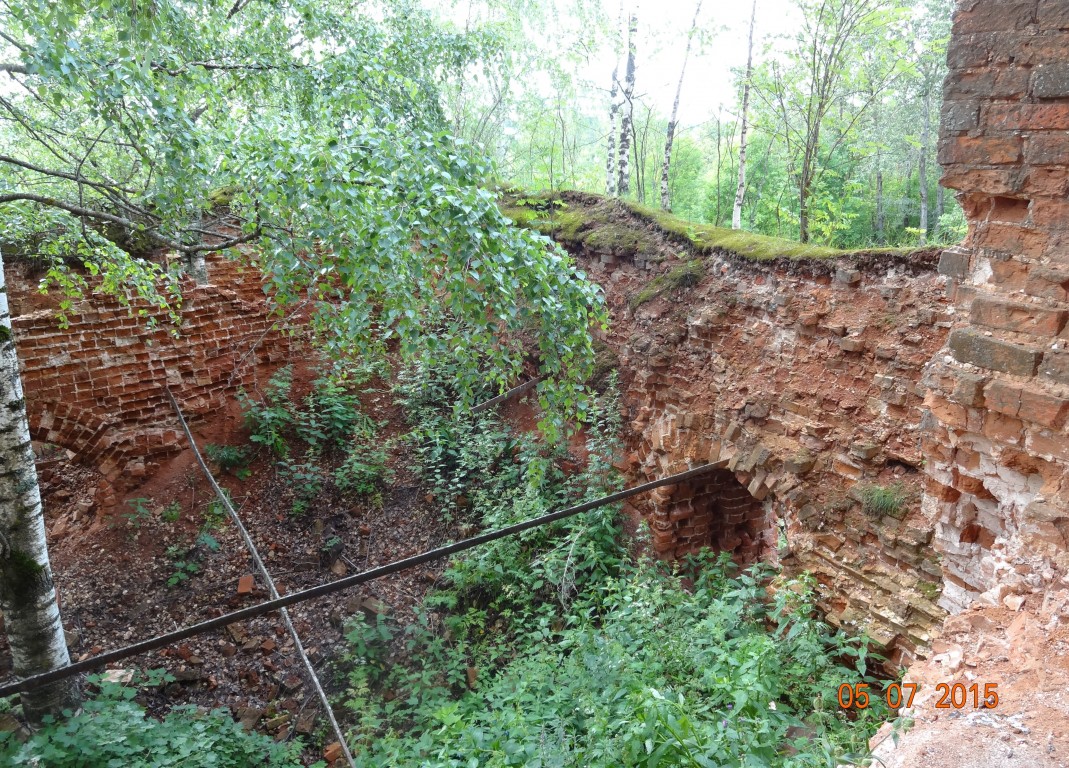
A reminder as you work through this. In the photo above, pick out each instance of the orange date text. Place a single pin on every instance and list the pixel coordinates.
(949, 695)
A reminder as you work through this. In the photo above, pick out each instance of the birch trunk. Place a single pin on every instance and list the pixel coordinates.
(666, 203)
(623, 184)
(940, 208)
(610, 159)
(27, 594)
(922, 169)
(740, 192)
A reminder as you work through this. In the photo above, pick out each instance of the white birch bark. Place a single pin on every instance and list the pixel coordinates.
(610, 160)
(666, 203)
(922, 169)
(27, 594)
(740, 192)
(623, 184)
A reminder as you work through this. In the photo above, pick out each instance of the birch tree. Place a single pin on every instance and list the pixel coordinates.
(818, 86)
(672, 121)
(27, 593)
(740, 192)
(119, 125)
(623, 181)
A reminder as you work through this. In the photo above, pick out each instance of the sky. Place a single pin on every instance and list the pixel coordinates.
(709, 83)
(663, 25)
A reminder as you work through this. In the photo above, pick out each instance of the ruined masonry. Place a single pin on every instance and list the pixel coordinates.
(98, 387)
(996, 438)
(937, 382)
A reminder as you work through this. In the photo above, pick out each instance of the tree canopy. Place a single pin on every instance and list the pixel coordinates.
(314, 131)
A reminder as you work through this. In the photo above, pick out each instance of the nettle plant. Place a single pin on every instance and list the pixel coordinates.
(557, 647)
(324, 437)
(113, 729)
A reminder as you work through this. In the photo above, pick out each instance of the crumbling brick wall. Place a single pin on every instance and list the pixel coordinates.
(800, 379)
(996, 434)
(97, 388)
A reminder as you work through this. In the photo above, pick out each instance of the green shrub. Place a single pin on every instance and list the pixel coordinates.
(269, 420)
(230, 458)
(113, 730)
(883, 500)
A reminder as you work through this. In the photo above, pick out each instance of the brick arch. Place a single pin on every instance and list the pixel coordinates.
(716, 511)
(78, 430)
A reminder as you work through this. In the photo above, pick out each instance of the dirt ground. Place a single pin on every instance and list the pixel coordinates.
(112, 573)
(1020, 646)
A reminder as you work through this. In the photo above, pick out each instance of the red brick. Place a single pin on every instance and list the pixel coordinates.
(1026, 403)
(991, 181)
(1052, 214)
(1012, 316)
(1015, 239)
(1047, 283)
(1027, 117)
(990, 17)
(1002, 428)
(980, 150)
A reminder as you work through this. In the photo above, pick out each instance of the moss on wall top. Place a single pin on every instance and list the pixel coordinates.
(627, 228)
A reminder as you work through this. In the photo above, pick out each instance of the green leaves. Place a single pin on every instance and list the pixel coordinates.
(113, 730)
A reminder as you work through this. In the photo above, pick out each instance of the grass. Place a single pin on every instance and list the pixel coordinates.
(883, 500)
(686, 275)
(593, 220)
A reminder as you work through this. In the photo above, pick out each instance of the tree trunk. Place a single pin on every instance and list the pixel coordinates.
(610, 157)
(940, 208)
(803, 204)
(740, 192)
(666, 203)
(881, 235)
(623, 183)
(27, 594)
(922, 169)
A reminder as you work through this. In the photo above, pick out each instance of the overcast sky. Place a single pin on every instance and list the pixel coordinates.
(709, 82)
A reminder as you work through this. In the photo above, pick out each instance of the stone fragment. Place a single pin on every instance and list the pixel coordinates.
(249, 717)
(799, 464)
(864, 450)
(847, 276)
(333, 752)
(970, 346)
(1013, 602)
(851, 344)
(245, 584)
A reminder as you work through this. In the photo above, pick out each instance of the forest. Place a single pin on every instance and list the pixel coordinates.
(358, 154)
(831, 108)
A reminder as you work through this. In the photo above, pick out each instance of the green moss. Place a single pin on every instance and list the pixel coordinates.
(686, 275)
(929, 589)
(5, 334)
(706, 238)
(21, 577)
(603, 224)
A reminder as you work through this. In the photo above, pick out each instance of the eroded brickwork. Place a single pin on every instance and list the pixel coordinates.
(801, 379)
(996, 437)
(97, 388)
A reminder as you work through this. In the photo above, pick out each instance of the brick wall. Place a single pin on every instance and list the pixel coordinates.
(97, 388)
(996, 433)
(801, 379)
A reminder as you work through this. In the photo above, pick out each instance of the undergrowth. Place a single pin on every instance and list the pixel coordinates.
(112, 729)
(557, 647)
(326, 437)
